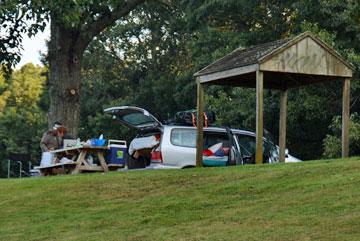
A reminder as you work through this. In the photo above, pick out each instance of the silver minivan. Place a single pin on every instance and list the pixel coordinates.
(177, 147)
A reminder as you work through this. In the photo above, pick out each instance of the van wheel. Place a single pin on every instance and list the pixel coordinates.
(186, 167)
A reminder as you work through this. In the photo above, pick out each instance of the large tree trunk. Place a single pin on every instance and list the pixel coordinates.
(66, 48)
(65, 55)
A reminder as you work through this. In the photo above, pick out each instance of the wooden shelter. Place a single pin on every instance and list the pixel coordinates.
(280, 65)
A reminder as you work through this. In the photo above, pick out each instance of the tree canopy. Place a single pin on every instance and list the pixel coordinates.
(74, 24)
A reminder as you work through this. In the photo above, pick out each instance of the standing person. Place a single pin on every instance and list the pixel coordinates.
(51, 140)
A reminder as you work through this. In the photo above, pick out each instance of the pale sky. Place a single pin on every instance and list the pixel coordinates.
(33, 46)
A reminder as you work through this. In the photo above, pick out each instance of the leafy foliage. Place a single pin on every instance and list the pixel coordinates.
(16, 19)
(21, 120)
(332, 142)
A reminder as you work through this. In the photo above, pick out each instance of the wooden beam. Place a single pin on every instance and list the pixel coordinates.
(91, 168)
(282, 125)
(345, 118)
(80, 160)
(259, 116)
(228, 73)
(200, 132)
(102, 161)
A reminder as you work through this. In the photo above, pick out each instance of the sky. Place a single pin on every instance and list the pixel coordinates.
(32, 48)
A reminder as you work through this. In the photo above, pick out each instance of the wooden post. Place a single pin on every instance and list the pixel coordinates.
(282, 125)
(200, 132)
(345, 118)
(102, 161)
(259, 116)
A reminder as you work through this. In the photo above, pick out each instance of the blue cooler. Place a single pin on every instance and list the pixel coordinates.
(117, 153)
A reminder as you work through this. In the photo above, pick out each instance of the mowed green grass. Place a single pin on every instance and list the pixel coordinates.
(318, 200)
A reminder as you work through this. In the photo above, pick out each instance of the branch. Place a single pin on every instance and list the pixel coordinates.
(165, 2)
(108, 18)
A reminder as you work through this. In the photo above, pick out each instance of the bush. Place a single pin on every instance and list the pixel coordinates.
(332, 143)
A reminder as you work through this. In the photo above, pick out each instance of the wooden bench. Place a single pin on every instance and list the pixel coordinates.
(58, 168)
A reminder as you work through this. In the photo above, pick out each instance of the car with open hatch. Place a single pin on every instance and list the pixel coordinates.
(173, 145)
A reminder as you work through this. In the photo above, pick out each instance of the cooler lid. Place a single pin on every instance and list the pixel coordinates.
(134, 117)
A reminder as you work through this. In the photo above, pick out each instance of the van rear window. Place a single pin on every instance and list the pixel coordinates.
(137, 119)
(183, 137)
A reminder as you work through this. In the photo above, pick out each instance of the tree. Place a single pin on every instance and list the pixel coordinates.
(73, 25)
(22, 121)
(138, 61)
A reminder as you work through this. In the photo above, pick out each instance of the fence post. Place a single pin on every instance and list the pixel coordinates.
(8, 175)
(29, 168)
(20, 168)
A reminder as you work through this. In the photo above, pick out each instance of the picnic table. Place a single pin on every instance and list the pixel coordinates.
(78, 162)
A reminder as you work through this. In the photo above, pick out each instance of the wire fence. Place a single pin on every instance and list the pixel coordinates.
(16, 166)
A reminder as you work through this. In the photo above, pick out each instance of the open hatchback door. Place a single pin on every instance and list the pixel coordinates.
(134, 117)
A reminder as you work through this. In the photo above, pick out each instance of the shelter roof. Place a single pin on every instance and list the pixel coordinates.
(243, 57)
(303, 54)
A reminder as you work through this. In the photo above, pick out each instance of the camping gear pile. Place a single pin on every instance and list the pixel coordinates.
(189, 117)
(216, 155)
(140, 151)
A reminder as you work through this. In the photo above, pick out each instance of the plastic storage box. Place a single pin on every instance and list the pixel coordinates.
(215, 161)
(117, 153)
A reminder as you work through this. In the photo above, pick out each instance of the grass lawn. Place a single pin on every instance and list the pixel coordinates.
(317, 200)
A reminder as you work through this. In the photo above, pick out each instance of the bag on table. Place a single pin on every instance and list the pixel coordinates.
(46, 159)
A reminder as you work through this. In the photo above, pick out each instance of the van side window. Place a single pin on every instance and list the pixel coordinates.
(247, 145)
(187, 138)
(183, 137)
(248, 148)
(212, 138)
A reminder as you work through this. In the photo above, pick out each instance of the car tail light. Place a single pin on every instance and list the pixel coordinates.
(156, 157)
